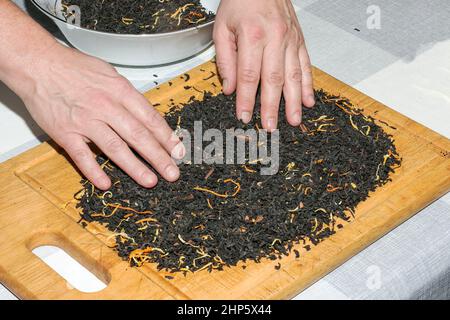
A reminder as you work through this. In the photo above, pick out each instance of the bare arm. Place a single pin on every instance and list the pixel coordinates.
(76, 99)
(23, 42)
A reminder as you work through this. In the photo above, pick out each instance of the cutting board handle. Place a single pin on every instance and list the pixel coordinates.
(36, 274)
(27, 276)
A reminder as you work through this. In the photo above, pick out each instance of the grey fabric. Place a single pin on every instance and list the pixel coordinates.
(410, 262)
(407, 26)
(341, 53)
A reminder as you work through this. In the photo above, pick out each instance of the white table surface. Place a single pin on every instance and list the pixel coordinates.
(412, 261)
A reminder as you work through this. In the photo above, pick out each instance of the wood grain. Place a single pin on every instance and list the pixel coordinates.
(37, 208)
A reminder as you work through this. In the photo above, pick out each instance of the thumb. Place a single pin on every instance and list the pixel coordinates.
(226, 57)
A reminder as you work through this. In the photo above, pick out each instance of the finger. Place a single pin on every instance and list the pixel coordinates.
(307, 78)
(84, 159)
(250, 54)
(118, 151)
(272, 82)
(142, 110)
(226, 57)
(292, 86)
(141, 140)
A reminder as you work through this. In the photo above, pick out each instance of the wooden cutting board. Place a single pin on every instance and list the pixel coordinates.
(37, 208)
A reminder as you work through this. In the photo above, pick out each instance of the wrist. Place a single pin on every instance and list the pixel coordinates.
(24, 44)
(26, 71)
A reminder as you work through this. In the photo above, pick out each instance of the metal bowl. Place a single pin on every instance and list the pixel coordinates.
(134, 50)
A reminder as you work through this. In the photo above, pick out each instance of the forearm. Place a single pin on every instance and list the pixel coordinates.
(23, 44)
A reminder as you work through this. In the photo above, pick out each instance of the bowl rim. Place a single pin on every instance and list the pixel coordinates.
(123, 35)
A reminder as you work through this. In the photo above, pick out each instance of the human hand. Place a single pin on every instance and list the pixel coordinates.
(76, 99)
(262, 40)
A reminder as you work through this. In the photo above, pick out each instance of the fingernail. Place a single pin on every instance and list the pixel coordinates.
(246, 117)
(296, 118)
(149, 179)
(225, 84)
(172, 172)
(271, 124)
(174, 137)
(311, 99)
(104, 183)
(178, 151)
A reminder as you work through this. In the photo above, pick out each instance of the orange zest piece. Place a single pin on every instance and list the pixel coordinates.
(237, 184)
(147, 220)
(247, 169)
(221, 195)
(209, 204)
(330, 188)
(211, 192)
(118, 206)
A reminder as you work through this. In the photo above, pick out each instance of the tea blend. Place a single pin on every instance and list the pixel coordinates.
(218, 215)
(140, 16)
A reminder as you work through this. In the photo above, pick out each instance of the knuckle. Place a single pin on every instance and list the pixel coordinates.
(280, 27)
(120, 115)
(139, 134)
(114, 145)
(294, 38)
(306, 68)
(122, 85)
(301, 42)
(99, 99)
(254, 32)
(275, 78)
(154, 119)
(246, 103)
(248, 76)
(295, 75)
(80, 155)
(218, 31)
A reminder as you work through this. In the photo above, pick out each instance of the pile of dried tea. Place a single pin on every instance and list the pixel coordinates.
(217, 215)
(140, 16)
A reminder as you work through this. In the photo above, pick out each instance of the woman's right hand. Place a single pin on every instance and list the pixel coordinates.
(78, 99)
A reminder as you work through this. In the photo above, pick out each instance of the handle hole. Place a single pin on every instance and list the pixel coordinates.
(76, 275)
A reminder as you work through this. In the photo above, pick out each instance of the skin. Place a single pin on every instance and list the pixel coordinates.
(78, 99)
(260, 41)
